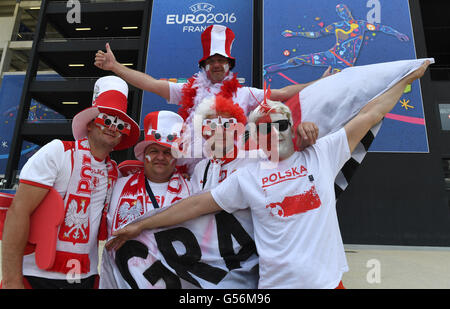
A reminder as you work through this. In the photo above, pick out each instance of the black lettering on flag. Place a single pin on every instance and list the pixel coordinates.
(129, 249)
(228, 226)
(134, 248)
(189, 262)
(159, 271)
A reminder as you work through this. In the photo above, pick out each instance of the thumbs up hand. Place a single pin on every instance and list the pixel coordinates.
(105, 61)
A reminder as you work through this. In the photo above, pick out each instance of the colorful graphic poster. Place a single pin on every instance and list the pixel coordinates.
(175, 48)
(303, 38)
(10, 94)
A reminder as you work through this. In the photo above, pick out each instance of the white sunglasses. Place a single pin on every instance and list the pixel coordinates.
(113, 123)
(213, 123)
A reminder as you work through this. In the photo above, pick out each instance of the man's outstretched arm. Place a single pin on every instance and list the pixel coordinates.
(107, 61)
(391, 31)
(328, 30)
(187, 209)
(376, 109)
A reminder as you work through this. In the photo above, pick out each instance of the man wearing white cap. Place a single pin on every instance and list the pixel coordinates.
(214, 78)
(150, 186)
(157, 183)
(84, 175)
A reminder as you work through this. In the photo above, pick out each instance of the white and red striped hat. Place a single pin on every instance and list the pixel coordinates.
(163, 128)
(217, 39)
(110, 97)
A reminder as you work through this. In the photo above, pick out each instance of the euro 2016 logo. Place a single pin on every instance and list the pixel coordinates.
(200, 17)
(74, 14)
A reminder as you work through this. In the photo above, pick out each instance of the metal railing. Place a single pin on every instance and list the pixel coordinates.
(63, 40)
(25, 36)
(98, 1)
(42, 78)
(49, 121)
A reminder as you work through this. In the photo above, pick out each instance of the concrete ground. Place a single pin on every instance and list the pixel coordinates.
(395, 267)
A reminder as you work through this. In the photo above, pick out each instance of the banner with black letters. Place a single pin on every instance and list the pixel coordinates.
(213, 251)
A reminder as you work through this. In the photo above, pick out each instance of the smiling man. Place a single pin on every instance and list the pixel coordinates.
(84, 175)
(155, 185)
(215, 78)
(158, 184)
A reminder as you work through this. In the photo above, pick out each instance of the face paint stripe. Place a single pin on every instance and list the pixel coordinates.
(148, 159)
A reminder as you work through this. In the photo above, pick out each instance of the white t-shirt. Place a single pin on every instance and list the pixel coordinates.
(294, 215)
(216, 174)
(51, 167)
(159, 191)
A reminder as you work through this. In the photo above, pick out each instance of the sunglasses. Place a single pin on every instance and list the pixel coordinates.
(266, 127)
(214, 123)
(113, 123)
(170, 138)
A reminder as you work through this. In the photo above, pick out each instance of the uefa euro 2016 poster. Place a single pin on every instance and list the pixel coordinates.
(302, 38)
(175, 47)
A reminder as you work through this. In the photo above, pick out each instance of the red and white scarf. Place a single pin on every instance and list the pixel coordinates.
(75, 241)
(197, 88)
(133, 196)
(194, 91)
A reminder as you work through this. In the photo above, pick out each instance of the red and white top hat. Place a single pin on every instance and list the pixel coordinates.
(217, 39)
(163, 128)
(110, 97)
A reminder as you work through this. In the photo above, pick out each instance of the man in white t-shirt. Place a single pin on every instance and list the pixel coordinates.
(292, 201)
(84, 175)
(216, 66)
(214, 78)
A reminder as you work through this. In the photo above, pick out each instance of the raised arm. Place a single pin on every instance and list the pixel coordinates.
(376, 109)
(388, 30)
(187, 209)
(107, 61)
(310, 34)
